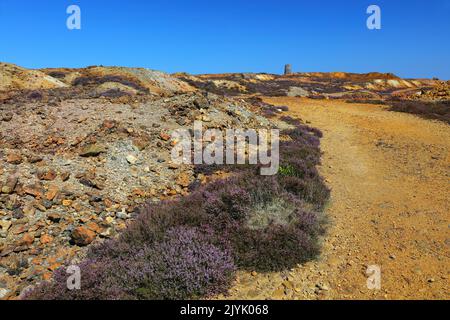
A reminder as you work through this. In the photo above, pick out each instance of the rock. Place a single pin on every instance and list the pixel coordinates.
(322, 286)
(108, 233)
(91, 182)
(47, 175)
(122, 215)
(141, 143)
(67, 202)
(54, 217)
(82, 236)
(29, 209)
(51, 193)
(109, 124)
(5, 225)
(45, 239)
(47, 204)
(131, 159)
(65, 176)
(173, 166)
(109, 220)
(183, 180)
(34, 190)
(10, 185)
(92, 150)
(181, 121)
(94, 227)
(35, 159)
(14, 158)
(164, 136)
(27, 239)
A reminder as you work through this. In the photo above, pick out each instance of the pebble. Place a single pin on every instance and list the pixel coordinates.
(131, 159)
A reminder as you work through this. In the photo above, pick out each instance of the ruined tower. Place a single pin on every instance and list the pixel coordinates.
(287, 69)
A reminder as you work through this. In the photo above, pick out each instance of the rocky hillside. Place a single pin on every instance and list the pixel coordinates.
(337, 85)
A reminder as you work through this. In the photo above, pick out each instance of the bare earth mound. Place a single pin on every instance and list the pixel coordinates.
(13, 77)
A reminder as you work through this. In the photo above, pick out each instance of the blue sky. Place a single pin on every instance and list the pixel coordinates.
(199, 36)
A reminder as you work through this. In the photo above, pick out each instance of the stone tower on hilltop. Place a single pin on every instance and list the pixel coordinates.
(287, 69)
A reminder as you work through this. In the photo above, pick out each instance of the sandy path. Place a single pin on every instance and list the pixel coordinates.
(389, 174)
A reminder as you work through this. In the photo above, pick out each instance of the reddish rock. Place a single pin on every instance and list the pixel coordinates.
(45, 239)
(164, 136)
(139, 192)
(14, 158)
(34, 190)
(47, 175)
(27, 239)
(51, 193)
(83, 236)
(94, 227)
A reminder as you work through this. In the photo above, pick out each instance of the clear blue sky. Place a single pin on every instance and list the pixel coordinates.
(208, 36)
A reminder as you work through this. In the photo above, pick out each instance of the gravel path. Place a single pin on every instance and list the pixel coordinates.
(389, 174)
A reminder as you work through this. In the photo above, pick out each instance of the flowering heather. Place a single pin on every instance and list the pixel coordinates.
(184, 265)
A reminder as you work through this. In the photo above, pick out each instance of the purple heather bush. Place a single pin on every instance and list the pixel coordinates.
(184, 265)
(97, 283)
(189, 247)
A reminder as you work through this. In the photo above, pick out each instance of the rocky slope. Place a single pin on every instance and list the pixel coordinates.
(337, 85)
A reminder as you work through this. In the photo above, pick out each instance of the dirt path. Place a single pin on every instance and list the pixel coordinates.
(389, 173)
